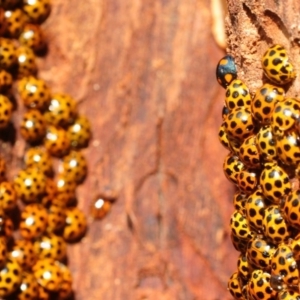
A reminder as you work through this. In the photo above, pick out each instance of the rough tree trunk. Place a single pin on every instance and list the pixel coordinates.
(144, 73)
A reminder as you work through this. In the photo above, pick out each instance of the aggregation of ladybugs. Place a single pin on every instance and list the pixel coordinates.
(261, 130)
(33, 246)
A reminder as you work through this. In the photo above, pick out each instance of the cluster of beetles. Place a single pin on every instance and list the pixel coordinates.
(261, 130)
(38, 208)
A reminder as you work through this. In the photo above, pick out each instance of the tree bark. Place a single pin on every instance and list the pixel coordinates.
(144, 74)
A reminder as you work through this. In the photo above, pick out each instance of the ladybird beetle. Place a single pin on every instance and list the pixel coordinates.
(274, 182)
(239, 244)
(239, 201)
(34, 221)
(33, 37)
(288, 295)
(34, 93)
(260, 252)
(40, 159)
(291, 208)
(247, 181)
(259, 286)
(231, 167)
(26, 62)
(223, 138)
(274, 225)
(288, 148)
(277, 283)
(23, 253)
(239, 123)
(266, 144)
(276, 65)
(50, 246)
(56, 217)
(225, 112)
(248, 153)
(2, 169)
(235, 287)
(8, 57)
(100, 207)
(264, 102)
(56, 141)
(234, 144)
(29, 288)
(79, 133)
(239, 226)
(30, 185)
(254, 210)
(66, 188)
(50, 192)
(74, 166)
(48, 274)
(33, 126)
(284, 265)
(14, 20)
(76, 225)
(65, 290)
(62, 110)
(237, 95)
(37, 11)
(244, 268)
(229, 143)
(285, 115)
(294, 244)
(8, 196)
(226, 71)
(10, 278)
(5, 111)
(6, 81)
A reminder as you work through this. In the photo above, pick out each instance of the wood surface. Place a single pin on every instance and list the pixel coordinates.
(143, 71)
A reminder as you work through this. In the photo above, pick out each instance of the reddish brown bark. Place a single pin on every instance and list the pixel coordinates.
(144, 73)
